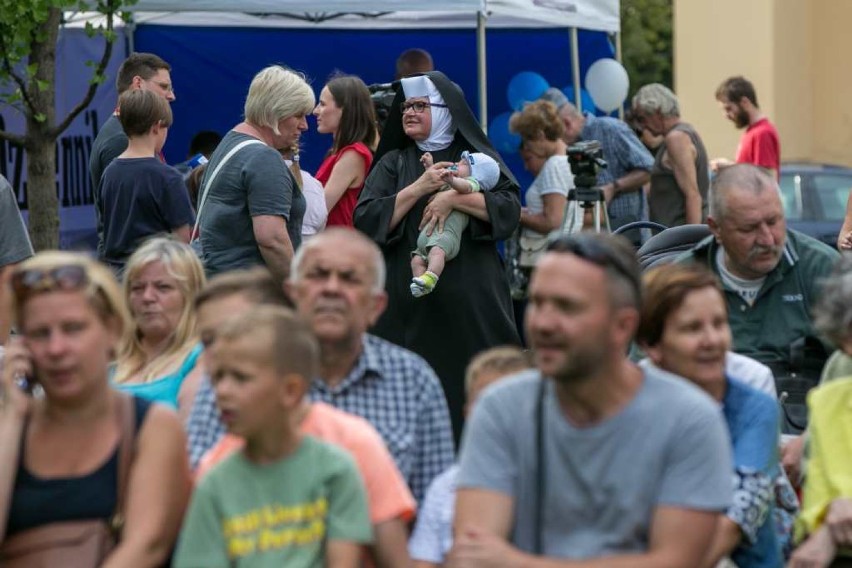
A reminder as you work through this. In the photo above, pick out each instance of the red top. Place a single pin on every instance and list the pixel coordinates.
(341, 213)
(760, 146)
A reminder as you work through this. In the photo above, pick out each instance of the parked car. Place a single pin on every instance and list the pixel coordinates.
(814, 197)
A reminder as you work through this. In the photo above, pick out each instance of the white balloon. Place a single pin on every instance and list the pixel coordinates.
(607, 83)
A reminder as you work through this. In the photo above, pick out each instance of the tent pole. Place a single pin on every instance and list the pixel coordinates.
(481, 70)
(618, 57)
(575, 68)
(130, 32)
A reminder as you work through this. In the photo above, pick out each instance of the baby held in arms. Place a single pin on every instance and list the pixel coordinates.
(473, 172)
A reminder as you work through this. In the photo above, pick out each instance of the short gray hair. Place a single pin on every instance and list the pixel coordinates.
(833, 310)
(740, 177)
(656, 97)
(348, 234)
(276, 93)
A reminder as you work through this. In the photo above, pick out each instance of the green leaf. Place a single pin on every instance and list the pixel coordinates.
(40, 117)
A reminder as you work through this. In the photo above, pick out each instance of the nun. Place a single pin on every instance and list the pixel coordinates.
(471, 310)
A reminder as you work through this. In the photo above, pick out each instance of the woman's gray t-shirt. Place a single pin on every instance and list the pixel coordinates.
(254, 181)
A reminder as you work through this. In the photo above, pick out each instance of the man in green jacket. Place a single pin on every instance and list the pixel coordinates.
(771, 275)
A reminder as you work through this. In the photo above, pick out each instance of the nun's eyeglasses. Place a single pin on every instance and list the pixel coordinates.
(418, 106)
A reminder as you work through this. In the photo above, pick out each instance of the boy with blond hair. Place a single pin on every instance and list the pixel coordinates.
(284, 499)
(433, 534)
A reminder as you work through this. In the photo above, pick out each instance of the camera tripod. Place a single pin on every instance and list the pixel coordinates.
(587, 198)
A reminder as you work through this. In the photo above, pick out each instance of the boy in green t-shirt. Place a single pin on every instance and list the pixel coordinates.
(286, 499)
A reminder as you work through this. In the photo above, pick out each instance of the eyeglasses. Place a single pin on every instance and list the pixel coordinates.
(594, 249)
(418, 106)
(64, 278)
(167, 87)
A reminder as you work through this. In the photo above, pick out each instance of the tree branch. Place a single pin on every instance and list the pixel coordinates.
(93, 87)
(16, 139)
(7, 65)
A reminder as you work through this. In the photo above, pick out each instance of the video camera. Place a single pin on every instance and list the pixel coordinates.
(585, 159)
(382, 95)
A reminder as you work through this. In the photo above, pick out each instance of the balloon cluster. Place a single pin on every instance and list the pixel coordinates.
(606, 88)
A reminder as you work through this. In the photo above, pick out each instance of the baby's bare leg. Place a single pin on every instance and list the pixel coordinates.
(437, 260)
(418, 265)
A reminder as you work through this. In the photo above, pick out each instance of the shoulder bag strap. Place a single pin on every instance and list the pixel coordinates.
(206, 189)
(538, 519)
(126, 418)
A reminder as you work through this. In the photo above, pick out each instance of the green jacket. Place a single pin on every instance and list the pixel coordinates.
(781, 313)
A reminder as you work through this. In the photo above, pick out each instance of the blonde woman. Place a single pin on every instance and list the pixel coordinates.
(60, 456)
(252, 211)
(157, 358)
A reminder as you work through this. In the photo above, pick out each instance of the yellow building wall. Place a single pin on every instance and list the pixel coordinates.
(797, 53)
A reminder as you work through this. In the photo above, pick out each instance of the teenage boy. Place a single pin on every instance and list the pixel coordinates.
(141, 196)
(285, 499)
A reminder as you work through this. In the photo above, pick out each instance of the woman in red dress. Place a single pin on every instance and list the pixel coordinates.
(345, 111)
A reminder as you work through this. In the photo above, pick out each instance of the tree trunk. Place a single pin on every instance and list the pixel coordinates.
(40, 143)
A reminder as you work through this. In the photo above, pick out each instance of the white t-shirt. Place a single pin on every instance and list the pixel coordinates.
(316, 212)
(554, 177)
(747, 289)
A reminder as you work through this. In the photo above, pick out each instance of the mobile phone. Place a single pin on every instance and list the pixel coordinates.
(26, 384)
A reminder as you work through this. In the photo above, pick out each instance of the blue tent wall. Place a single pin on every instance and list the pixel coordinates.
(212, 68)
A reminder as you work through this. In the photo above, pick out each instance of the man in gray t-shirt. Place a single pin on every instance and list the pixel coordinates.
(14, 247)
(600, 460)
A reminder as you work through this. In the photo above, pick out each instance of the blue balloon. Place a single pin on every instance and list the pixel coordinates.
(525, 87)
(585, 97)
(498, 132)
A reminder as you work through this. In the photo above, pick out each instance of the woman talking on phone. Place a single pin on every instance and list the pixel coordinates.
(78, 457)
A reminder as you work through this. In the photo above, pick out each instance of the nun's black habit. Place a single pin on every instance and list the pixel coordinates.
(470, 309)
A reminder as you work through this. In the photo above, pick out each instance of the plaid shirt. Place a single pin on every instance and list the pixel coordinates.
(390, 387)
(623, 152)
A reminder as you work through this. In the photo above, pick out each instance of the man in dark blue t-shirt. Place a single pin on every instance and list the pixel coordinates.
(141, 196)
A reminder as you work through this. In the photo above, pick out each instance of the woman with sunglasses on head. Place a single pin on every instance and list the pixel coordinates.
(65, 456)
(471, 309)
(345, 111)
(684, 330)
(158, 359)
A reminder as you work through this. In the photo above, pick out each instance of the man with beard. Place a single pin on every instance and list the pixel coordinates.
(759, 144)
(770, 274)
(589, 459)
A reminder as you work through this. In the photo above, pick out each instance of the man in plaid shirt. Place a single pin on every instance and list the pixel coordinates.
(628, 161)
(337, 284)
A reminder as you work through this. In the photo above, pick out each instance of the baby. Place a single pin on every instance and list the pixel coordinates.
(474, 172)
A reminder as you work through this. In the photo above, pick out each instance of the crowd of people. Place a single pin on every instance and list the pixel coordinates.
(264, 367)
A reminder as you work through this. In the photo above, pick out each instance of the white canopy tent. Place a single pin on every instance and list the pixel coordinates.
(599, 15)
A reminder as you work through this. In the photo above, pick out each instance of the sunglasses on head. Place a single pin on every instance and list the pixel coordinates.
(63, 278)
(597, 252)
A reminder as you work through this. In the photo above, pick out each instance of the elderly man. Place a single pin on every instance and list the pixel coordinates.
(589, 460)
(139, 71)
(771, 275)
(337, 284)
(628, 161)
(680, 176)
